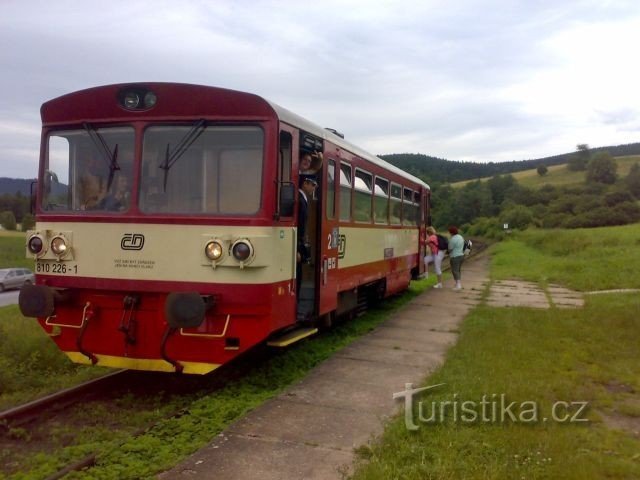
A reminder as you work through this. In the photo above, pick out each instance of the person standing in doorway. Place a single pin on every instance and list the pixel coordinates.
(308, 184)
(456, 255)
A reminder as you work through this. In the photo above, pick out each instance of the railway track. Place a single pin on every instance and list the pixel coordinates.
(30, 411)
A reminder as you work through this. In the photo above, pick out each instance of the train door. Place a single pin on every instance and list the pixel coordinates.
(310, 264)
(329, 236)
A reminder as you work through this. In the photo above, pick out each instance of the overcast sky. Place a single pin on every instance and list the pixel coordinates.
(458, 79)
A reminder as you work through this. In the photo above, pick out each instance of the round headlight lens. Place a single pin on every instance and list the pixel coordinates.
(242, 250)
(213, 250)
(58, 246)
(150, 100)
(131, 100)
(35, 245)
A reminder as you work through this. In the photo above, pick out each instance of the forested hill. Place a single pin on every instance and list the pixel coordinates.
(437, 170)
(12, 186)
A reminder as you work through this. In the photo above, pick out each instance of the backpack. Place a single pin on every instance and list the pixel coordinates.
(468, 245)
(443, 243)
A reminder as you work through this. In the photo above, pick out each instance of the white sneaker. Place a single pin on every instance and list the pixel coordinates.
(437, 285)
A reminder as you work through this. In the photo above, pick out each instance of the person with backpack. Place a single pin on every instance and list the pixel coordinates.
(437, 246)
(456, 255)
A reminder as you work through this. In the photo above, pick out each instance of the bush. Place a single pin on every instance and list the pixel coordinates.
(485, 227)
(633, 180)
(617, 196)
(554, 220)
(518, 217)
(8, 220)
(602, 169)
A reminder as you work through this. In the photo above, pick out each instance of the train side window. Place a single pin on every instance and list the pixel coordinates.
(417, 215)
(331, 189)
(395, 210)
(363, 188)
(381, 201)
(285, 157)
(407, 207)
(346, 183)
(285, 190)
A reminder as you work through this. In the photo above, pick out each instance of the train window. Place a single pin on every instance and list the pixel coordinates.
(407, 208)
(417, 215)
(331, 189)
(218, 173)
(395, 208)
(89, 169)
(381, 200)
(345, 192)
(363, 188)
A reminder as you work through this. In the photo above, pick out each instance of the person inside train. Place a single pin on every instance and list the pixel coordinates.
(92, 184)
(308, 184)
(118, 198)
(309, 162)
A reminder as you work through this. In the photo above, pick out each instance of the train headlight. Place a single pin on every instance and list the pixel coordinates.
(35, 245)
(59, 246)
(150, 100)
(131, 100)
(213, 250)
(242, 250)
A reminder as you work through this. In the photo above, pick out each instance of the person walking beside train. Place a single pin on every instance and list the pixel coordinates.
(456, 255)
(436, 255)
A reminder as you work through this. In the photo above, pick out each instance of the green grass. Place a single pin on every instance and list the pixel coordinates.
(13, 250)
(559, 175)
(583, 259)
(30, 363)
(543, 356)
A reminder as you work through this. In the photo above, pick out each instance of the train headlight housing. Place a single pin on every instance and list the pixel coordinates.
(242, 250)
(137, 98)
(36, 245)
(59, 246)
(213, 250)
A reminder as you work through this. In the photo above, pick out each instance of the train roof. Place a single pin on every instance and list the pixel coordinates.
(296, 120)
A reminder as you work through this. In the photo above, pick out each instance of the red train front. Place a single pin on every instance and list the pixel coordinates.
(166, 229)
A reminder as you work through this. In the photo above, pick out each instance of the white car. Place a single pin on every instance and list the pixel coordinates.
(15, 278)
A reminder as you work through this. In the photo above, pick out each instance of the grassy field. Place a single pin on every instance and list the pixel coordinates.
(559, 175)
(13, 251)
(542, 356)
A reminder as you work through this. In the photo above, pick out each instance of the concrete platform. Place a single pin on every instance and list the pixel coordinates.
(310, 430)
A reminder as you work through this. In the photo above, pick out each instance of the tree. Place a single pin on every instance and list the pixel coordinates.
(633, 180)
(579, 161)
(602, 169)
(542, 170)
(28, 222)
(8, 220)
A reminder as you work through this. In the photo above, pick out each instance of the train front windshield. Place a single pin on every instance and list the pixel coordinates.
(185, 170)
(89, 169)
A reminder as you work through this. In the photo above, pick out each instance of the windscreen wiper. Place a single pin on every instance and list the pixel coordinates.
(110, 157)
(172, 156)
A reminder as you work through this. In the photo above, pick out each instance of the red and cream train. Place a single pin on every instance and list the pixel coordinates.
(166, 226)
